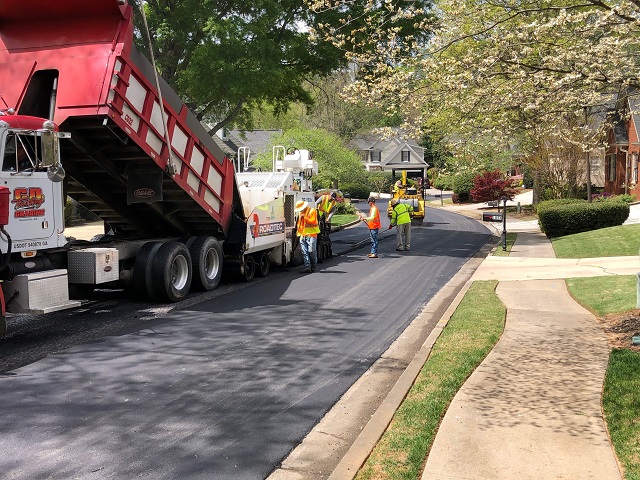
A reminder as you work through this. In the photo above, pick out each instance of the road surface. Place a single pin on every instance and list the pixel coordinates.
(225, 388)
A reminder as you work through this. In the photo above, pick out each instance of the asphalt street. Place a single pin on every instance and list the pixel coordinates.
(226, 388)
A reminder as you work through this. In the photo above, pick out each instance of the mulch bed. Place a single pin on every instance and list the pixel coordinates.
(620, 328)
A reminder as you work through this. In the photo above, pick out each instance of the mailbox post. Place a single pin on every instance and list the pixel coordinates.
(504, 224)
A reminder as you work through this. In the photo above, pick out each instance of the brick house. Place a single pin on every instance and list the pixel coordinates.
(623, 148)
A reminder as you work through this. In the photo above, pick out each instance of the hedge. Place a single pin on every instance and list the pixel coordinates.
(566, 217)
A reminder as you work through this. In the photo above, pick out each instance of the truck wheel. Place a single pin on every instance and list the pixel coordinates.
(249, 270)
(263, 264)
(187, 240)
(142, 278)
(206, 261)
(171, 270)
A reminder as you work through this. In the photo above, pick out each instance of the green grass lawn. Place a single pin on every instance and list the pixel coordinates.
(511, 237)
(604, 295)
(623, 240)
(471, 333)
(621, 394)
(621, 402)
(342, 219)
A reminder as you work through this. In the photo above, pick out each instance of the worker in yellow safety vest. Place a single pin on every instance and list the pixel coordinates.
(307, 229)
(326, 205)
(373, 222)
(401, 219)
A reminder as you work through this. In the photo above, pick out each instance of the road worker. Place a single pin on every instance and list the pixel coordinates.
(307, 230)
(373, 222)
(326, 205)
(401, 219)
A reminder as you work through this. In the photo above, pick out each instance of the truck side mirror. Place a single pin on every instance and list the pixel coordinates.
(49, 149)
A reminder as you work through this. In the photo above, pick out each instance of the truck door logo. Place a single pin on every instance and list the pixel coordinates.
(27, 202)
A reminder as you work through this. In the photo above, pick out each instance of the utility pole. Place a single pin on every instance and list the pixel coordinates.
(586, 124)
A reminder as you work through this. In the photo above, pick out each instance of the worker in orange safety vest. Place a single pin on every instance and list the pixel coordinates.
(373, 222)
(307, 229)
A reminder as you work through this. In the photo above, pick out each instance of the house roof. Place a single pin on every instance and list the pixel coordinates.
(620, 133)
(371, 141)
(258, 141)
(634, 108)
(228, 150)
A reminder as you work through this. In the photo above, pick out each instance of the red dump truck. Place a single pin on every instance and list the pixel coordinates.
(81, 117)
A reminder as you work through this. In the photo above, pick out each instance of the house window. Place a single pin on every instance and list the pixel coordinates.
(364, 155)
(406, 157)
(634, 168)
(612, 168)
(375, 156)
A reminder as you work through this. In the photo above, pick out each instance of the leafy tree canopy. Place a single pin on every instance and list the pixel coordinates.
(335, 160)
(224, 57)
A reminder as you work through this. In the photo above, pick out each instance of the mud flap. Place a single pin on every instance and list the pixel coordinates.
(3, 314)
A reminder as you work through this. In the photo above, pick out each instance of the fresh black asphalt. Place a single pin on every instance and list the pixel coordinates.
(224, 389)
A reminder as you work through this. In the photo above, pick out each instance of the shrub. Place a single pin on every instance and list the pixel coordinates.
(442, 182)
(492, 186)
(462, 184)
(344, 208)
(625, 198)
(379, 181)
(599, 197)
(355, 190)
(554, 203)
(69, 210)
(561, 217)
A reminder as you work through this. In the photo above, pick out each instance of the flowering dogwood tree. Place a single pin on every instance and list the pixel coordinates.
(518, 72)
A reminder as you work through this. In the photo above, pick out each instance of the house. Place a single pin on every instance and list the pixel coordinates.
(243, 145)
(623, 147)
(393, 154)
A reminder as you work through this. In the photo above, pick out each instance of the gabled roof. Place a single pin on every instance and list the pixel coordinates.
(258, 141)
(634, 108)
(416, 159)
(372, 141)
(620, 132)
(228, 150)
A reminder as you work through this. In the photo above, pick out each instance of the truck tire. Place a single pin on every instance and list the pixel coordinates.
(187, 240)
(263, 264)
(171, 271)
(206, 262)
(249, 271)
(142, 277)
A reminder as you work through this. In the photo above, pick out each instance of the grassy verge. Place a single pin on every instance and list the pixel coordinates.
(621, 394)
(605, 242)
(604, 295)
(511, 238)
(469, 336)
(342, 219)
(621, 398)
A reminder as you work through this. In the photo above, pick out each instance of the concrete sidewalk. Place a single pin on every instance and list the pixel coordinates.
(532, 409)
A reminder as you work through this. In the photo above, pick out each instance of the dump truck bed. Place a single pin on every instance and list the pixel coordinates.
(79, 55)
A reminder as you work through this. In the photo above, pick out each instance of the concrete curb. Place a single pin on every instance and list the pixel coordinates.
(360, 450)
